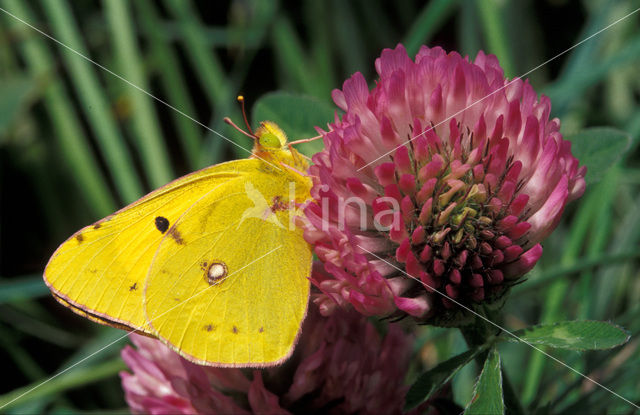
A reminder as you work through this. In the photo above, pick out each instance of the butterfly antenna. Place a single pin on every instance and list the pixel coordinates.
(231, 123)
(244, 113)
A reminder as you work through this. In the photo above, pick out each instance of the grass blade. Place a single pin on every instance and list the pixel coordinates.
(216, 85)
(348, 38)
(94, 104)
(430, 19)
(145, 122)
(468, 29)
(22, 288)
(174, 84)
(74, 148)
(292, 58)
(492, 17)
(204, 61)
(555, 299)
(51, 386)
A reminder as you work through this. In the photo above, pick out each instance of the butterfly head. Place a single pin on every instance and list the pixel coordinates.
(271, 144)
(269, 137)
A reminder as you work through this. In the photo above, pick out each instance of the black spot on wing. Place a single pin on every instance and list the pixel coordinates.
(209, 327)
(133, 287)
(235, 330)
(79, 238)
(162, 224)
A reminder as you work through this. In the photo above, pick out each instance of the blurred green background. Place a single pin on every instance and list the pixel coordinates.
(77, 142)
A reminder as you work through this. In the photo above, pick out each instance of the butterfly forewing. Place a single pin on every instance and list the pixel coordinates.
(99, 272)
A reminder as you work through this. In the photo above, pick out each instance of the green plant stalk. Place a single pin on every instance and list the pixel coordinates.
(633, 128)
(9, 64)
(75, 150)
(557, 291)
(627, 234)
(468, 30)
(349, 39)
(430, 19)
(58, 222)
(28, 367)
(598, 400)
(35, 327)
(565, 90)
(153, 153)
(22, 288)
(19, 355)
(216, 85)
(34, 157)
(64, 381)
(204, 61)
(250, 37)
(10, 342)
(376, 20)
(104, 344)
(173, 82)
(317, 18)
(584, 56)
(619, 91)
(94, 104)
(292, 58)
(215, 36)
(598, 240)
(496, 36)
(23, 310)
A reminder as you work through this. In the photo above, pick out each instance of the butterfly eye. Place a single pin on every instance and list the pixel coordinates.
(270, 140)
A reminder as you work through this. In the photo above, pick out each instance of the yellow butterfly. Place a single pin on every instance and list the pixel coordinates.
(210, 263)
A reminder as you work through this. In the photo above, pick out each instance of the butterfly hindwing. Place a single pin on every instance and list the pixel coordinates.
(229, 282)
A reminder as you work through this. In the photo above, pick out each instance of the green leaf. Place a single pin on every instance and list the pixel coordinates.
(431, 380)
(599, 148)
(297, 115)
(487, 395)
(575, 335)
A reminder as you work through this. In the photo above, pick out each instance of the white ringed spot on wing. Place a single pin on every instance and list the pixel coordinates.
(216, 271)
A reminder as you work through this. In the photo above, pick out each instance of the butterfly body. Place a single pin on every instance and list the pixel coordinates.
(211, 263)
